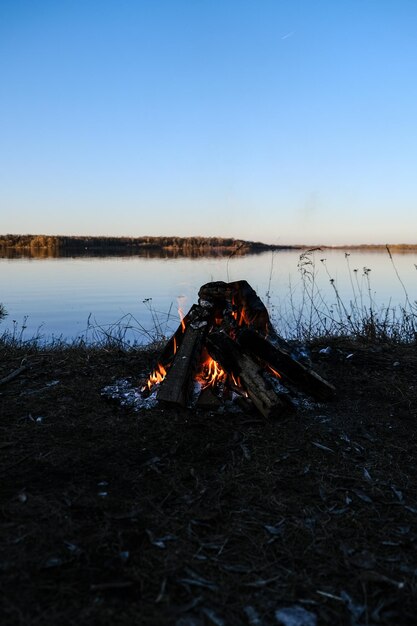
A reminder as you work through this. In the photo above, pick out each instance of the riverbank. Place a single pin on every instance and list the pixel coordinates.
(181, 517)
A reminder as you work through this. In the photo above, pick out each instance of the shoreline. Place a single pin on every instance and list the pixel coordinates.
(60, 245)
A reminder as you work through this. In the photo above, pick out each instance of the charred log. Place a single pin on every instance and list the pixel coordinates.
(291, 371)
(240, 307)
(177, 386)
(240, 299)
(172, 345)
(240, 365)
(215, 292)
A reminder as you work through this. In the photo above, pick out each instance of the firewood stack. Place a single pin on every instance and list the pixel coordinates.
(226, 343)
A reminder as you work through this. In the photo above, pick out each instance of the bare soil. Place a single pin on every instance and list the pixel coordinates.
(192, 517)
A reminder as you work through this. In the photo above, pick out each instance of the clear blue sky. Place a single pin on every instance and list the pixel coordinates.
(281, 121)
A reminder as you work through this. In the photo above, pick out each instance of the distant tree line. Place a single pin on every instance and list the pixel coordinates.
(28, 241)
(75, 243)
(61, 245)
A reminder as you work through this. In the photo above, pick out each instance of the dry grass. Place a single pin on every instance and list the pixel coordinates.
(309, 314)
(209, 518)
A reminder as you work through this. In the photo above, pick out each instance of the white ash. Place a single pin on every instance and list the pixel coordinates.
(302, 401)
(130, 396)
(197, 325)
(195, 393)
(298, 398)
(205, 304)
(277, 386)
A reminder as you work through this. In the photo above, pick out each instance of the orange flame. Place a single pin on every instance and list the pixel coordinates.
(277, 374)
(181, 314)
(180, 303)
(236, 380)
(157, 376)
(210, 373)
(241, 315)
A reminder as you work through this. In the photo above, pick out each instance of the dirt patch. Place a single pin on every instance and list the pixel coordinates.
(199, 518)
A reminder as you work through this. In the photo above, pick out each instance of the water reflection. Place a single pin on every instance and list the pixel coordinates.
(148, 253)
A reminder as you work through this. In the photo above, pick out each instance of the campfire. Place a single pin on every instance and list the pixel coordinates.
(225, 347)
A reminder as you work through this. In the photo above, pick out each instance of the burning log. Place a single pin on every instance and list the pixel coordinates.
(245, 370)
(244, 305)
(240, 302)
(172, 345)
(227, 342)
(248, 308)
(176, 388)
(291, 370)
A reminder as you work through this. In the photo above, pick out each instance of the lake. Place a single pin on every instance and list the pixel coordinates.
(139, 297)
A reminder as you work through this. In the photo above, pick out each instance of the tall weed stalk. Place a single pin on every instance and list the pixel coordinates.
(312, 315)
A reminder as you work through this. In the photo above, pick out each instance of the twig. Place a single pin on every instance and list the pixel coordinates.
(14, 374)
(407, 301)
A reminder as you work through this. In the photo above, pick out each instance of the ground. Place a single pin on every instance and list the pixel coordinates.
(196, 518)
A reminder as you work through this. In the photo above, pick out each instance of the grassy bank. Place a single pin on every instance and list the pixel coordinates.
(180, 517)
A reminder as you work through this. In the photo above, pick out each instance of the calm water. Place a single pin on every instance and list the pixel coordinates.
(61, 297)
